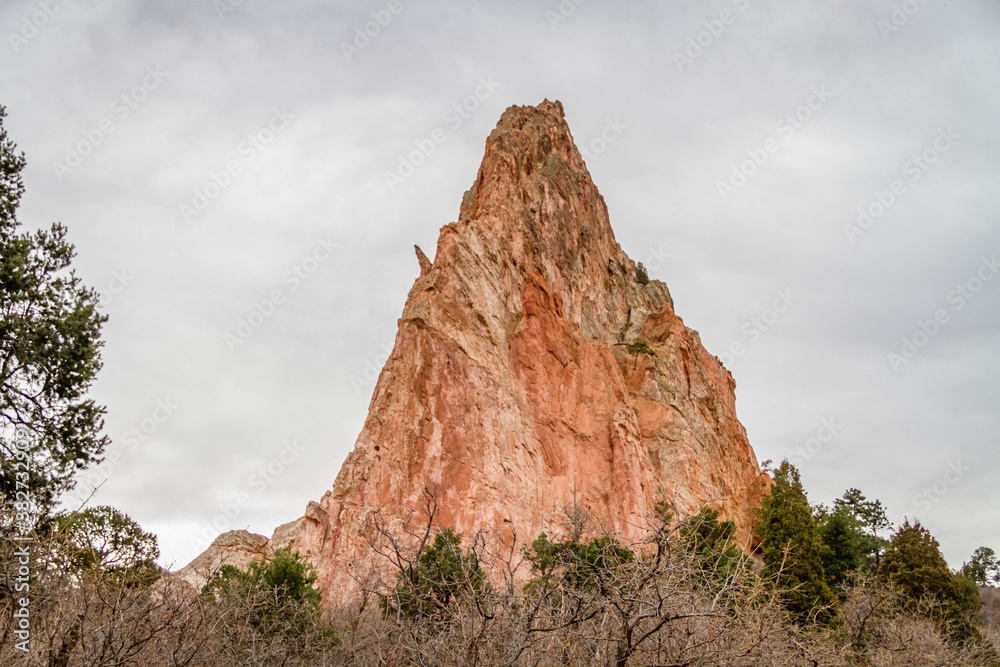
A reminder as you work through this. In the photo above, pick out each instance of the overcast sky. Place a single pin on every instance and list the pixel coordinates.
(225, 161)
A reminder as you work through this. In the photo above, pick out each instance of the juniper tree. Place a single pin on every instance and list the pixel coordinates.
(792, 550)
(913, 562)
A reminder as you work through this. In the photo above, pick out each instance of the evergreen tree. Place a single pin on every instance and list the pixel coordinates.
(843, 545)
(441, 574)
(104, 538)
(914, 563)
(983, 568)
(792, 550)
(50, 339)
(717, 560)
(872, 519)
(276, 599)
(576, 565)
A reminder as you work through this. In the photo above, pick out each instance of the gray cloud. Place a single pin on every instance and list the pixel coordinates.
(686, 128)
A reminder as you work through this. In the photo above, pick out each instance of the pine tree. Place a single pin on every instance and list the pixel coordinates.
(983, 568)
(792, 550)
(843, 545)
(871, 517)
(50, 340)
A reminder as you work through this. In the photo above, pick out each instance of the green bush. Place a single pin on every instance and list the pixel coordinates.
(273, 601)
(641, 275)
(441, 574)
(717, 560)
(576, 565)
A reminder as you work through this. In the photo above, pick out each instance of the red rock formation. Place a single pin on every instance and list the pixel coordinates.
(510, 390)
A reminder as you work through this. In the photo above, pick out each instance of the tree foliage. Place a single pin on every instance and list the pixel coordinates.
(914, 563)
(641, 275)
(792, 550)
(983, 568)
(576, 565)
(273, 600)
(102, 537)
(717, 558)
(637, 348)
(50, 340)
(871, 517)
(441, 573)
(851, 534)
(843, 545)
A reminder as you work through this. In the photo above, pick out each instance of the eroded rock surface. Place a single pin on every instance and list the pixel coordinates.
(510, 390)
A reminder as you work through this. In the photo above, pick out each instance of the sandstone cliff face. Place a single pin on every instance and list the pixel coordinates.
(509, 391)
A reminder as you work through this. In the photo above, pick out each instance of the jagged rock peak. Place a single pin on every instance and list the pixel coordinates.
(533, 213)
(510, 391)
